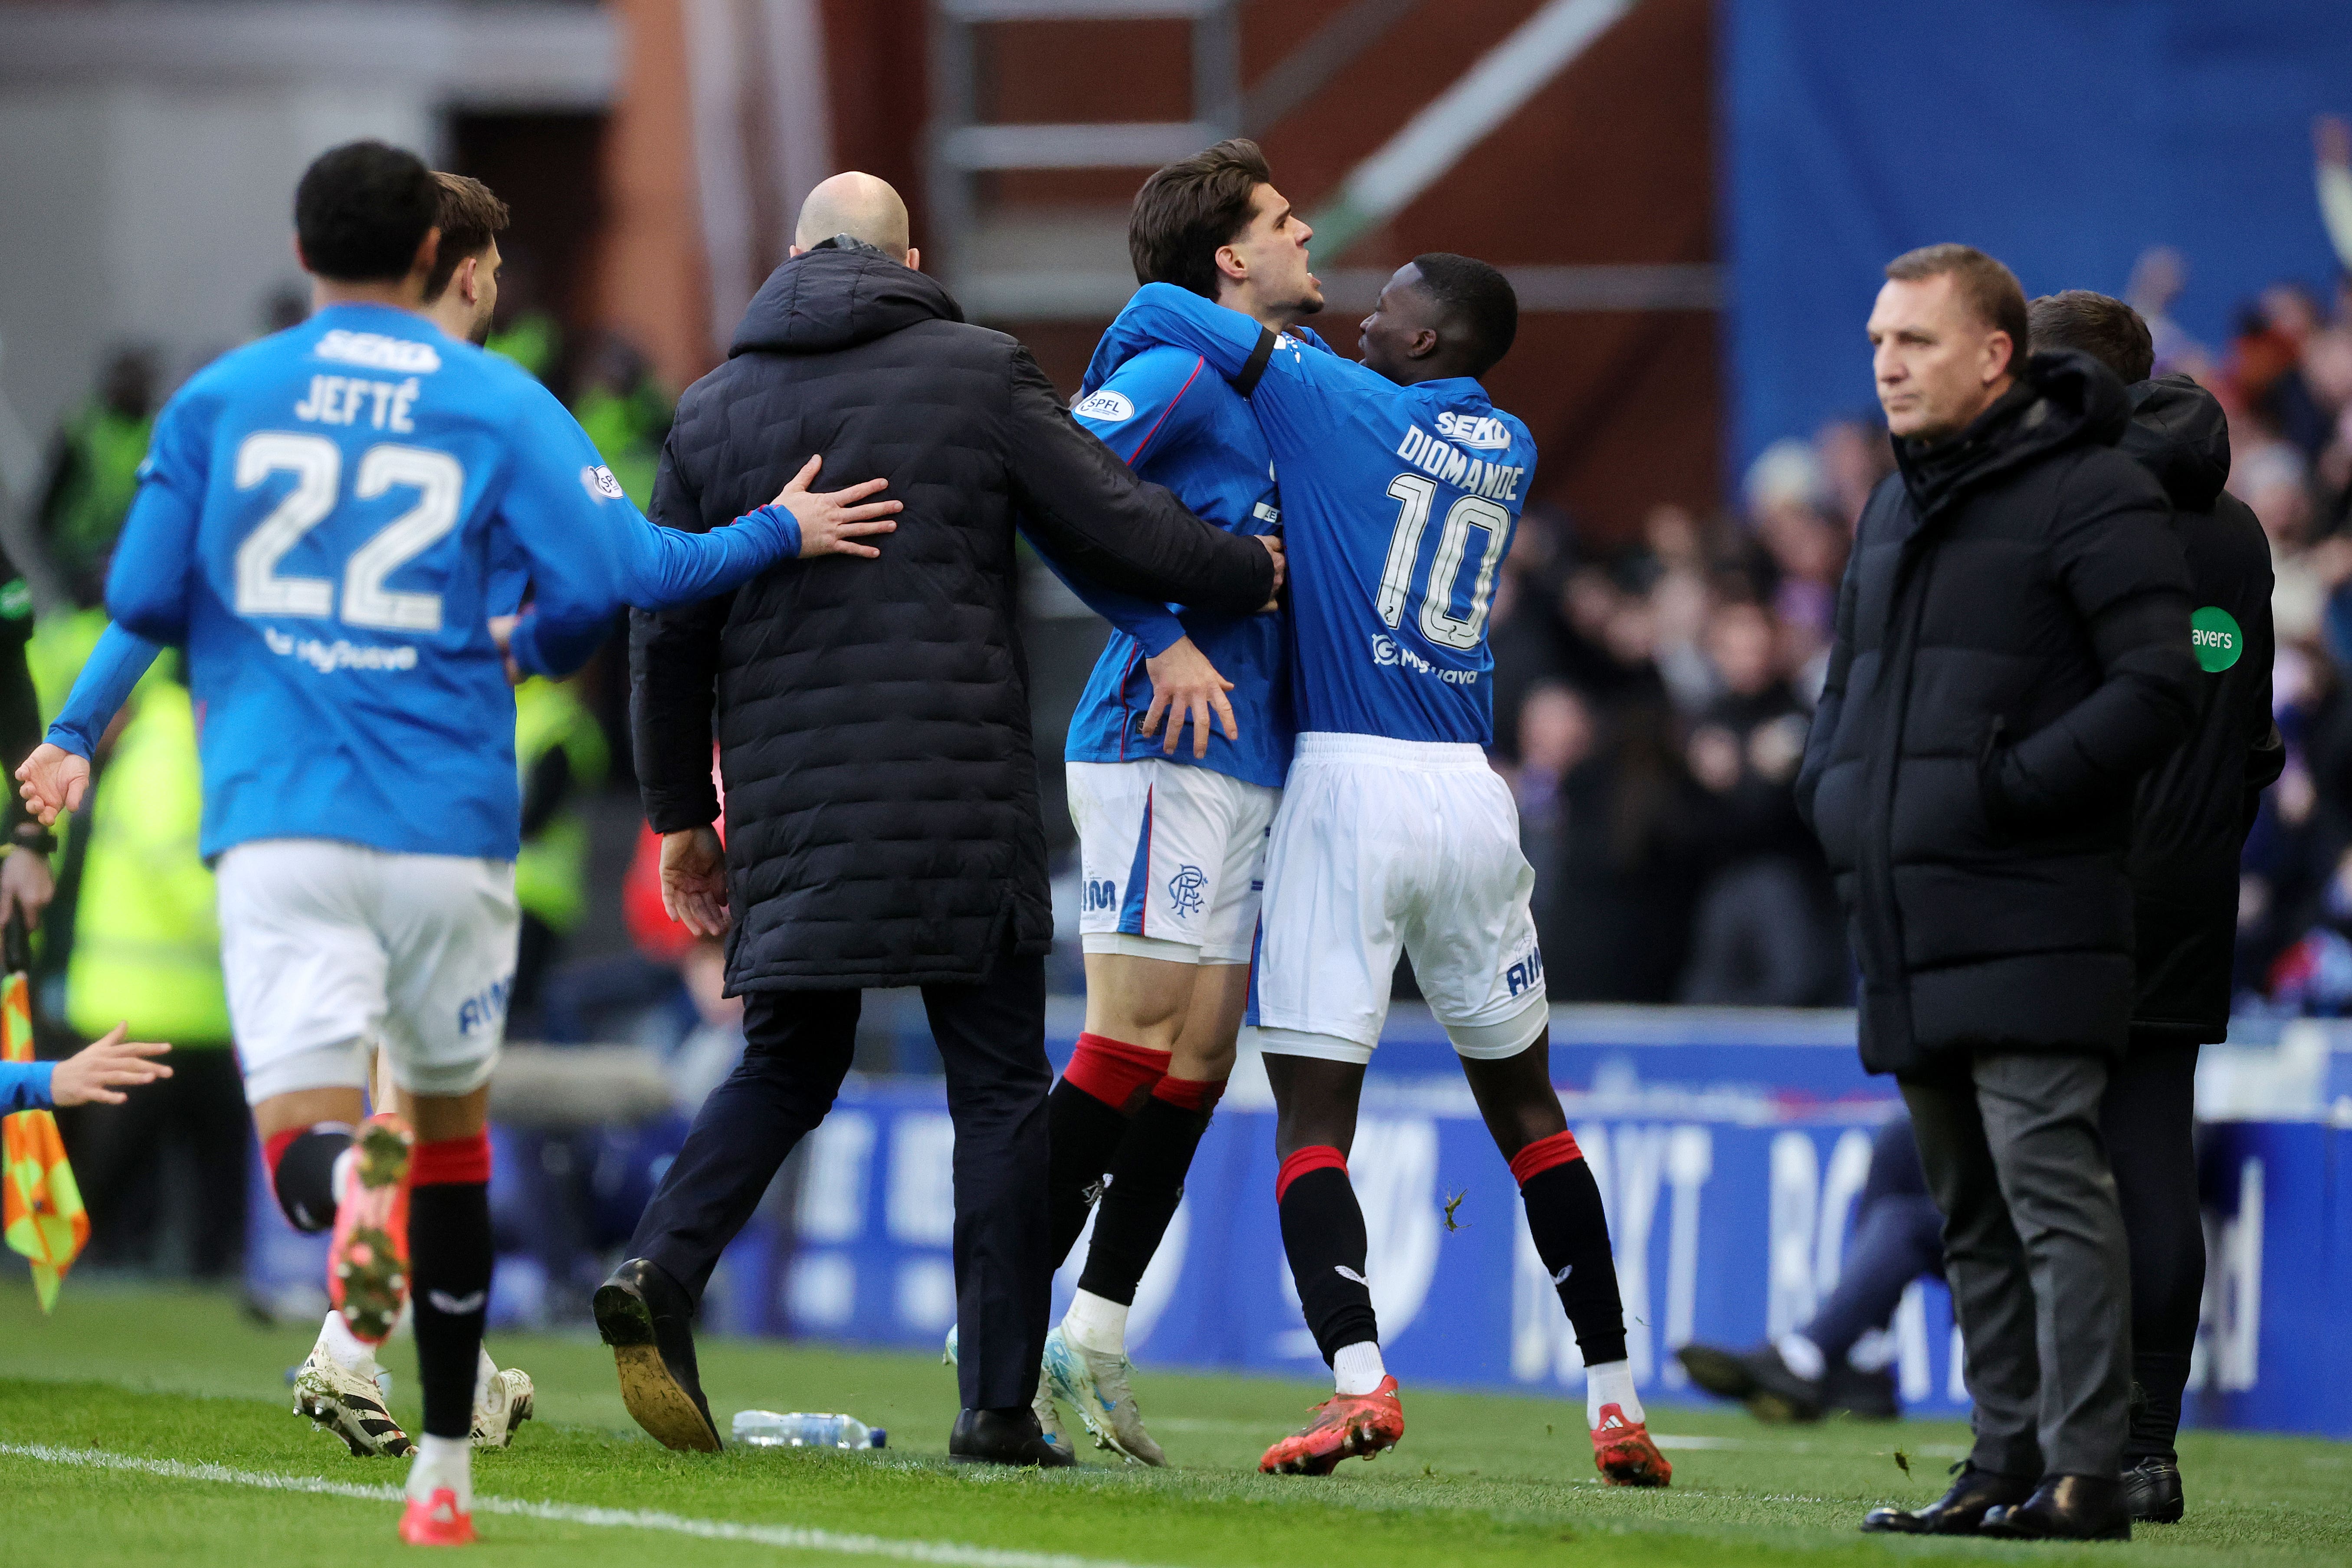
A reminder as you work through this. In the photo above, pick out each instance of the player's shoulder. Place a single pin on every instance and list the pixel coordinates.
(1151, 381)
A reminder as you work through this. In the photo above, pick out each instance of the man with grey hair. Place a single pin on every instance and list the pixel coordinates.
(881, 810)
(2011, 655)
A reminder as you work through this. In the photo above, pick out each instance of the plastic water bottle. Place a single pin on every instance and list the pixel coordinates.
(800, 1429)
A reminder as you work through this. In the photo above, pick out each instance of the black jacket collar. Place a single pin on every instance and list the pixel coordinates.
(2063, 399)
(824, 301)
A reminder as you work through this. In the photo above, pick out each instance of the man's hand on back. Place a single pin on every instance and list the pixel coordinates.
(52, 781)
(1273, 543)
(694, 882)
(1187, 689)
(830, 521)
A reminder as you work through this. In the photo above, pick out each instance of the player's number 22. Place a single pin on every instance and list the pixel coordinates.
(317, 465)
(1414, 495)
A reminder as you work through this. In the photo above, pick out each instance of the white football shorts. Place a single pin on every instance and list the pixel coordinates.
(329, 948)
(1173, 857)
(1384, 844)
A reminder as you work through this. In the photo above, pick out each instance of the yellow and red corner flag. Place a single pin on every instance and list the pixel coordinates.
(38, 1200)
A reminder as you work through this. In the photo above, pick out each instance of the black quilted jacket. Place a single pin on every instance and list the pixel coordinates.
(2012, 655)
(873, 715)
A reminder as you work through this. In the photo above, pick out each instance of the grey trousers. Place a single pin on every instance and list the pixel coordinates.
(2034, 1245)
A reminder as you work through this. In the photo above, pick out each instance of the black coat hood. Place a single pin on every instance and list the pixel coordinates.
(822, 302)
(2063, 398)
(2179, 434)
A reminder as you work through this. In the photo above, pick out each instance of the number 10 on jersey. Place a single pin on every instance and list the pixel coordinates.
(1415, 495)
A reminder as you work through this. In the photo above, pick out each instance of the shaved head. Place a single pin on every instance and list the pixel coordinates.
(858, 205)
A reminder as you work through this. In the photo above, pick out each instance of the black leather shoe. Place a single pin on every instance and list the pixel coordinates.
(1869, 1395)
(648, 1320)
(1758, 1379)
(2152, 1492)
(1959, 1512)
(1005, 1437)
(2064, 1508)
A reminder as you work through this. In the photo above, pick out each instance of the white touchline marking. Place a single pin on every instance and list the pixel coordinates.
(798, 1538)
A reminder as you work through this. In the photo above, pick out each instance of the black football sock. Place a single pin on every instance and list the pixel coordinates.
(1571, 1235)
(449, 1255)
(302, 1171)
(1086, 1116)
(2159, 1378)
(1323, 1235)
(1146, 1183)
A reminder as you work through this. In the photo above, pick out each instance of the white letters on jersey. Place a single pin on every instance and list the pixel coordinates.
(1108, 406)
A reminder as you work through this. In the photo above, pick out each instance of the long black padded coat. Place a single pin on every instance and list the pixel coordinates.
(2012, 654)
(873, 715)
(2196, 808)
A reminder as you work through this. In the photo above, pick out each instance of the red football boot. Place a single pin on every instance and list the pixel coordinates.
(367, 1267)
(1344, 1424)
(1624, 1452)
(437, 1521)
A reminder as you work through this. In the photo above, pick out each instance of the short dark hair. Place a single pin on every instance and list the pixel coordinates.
(469, 218)
(362, 210)
(1991, 288)
(1478, 301)
(1189, 209)
(2099, 325)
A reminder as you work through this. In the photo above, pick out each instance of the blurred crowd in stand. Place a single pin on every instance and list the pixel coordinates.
(1649, 711)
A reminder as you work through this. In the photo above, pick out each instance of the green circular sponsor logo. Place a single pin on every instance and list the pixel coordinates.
(2214, 633)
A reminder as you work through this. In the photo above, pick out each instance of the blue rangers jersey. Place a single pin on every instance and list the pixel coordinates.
(1176, 423)
(1399, 504)
(326, 520)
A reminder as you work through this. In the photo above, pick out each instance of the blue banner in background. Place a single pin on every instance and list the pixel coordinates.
(2066, 138)
(1729, 1148)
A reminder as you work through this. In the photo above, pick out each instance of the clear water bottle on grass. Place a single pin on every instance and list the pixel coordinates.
(801, 1429)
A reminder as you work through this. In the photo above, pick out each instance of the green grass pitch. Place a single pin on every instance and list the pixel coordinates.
(110, 1411)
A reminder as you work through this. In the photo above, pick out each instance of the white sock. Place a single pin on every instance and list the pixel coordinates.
(349, 1351)
(1356, 1368)
(484, 1370)
(1801, 1356)
(1610, 1383)
(1097, 1322)
(443, 1462)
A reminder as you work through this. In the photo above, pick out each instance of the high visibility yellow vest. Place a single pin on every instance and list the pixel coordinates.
(107, 450)
(146, 936)
(60, 646)
(551, 872)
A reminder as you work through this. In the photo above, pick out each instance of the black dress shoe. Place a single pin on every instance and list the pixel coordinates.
(2064, 1508)
(1959, 1512)
(1758, 1379)
(1005, 1437)
(1867, 1394)
(2152, 1491)
(648, 1320)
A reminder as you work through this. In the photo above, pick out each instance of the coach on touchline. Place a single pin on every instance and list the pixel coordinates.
(873, 727)
(2011, 655)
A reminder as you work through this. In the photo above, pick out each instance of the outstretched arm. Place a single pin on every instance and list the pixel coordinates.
(1090, 513)
(590, 551)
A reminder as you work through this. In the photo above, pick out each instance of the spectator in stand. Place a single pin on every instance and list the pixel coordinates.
(1556, 736)
(1766, 932)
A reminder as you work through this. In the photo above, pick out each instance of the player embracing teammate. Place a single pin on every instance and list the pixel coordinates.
(1172, 833)
(1402, 487)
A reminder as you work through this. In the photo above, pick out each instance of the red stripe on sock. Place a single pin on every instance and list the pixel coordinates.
(1314, 1157)
(1114, 1071)
(1189, 1093)
(1544, 1154)
(274, 1149)
(450, 1161)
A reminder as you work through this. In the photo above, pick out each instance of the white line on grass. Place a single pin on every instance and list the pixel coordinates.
(795, 1537)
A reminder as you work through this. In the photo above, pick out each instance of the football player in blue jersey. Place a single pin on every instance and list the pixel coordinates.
(318, 525)
(1171, 834)
(1402, 487)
